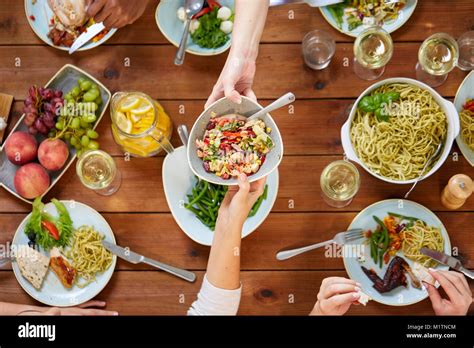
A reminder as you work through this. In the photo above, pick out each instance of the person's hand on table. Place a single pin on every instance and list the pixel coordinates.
(91, 308)
(116, 13)
(335, 296)
(456, 288)
(236, 79)
(239, 200)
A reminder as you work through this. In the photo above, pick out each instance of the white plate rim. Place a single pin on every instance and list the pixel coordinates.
(62, 48)
(351, 34)
(444, 231)
(106, 280)
(218, 51)
(459, 140)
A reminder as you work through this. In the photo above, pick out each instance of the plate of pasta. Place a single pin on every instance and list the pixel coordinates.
(387, 262)
(395, 128)
(57, 253)
(464, 103)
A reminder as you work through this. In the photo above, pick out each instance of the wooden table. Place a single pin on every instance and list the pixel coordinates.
(138, 213)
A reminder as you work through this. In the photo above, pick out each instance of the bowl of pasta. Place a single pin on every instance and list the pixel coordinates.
(395, 127)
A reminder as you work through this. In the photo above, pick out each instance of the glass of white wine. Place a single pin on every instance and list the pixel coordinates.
(373, 49)
(340, 182)
(97, 171)
(437, 56)
(466, 51)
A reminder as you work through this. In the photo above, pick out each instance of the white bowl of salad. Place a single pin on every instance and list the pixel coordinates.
(210, 29)
(223, 144)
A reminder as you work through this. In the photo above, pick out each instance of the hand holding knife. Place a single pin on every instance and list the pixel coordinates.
(135, 258)
(448, 260)
(86, 36)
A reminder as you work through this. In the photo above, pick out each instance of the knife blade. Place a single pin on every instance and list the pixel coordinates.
(447, 260)
(85, 37)
(312, 3)
(135, 258)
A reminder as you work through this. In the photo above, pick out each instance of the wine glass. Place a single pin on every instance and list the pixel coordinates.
(466, 51)
(437, 56)
(373, 49)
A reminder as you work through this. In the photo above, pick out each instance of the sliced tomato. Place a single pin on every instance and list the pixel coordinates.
(51, 228)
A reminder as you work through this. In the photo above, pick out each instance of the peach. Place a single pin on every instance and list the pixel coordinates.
(31, 181)
(21, 148)
(53, 154)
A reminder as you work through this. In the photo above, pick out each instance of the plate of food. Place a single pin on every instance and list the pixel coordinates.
(351, 17)
(223, 144)
(59, 22)
(59, 122)
(194, 203)
(464, 103)
(210, 29)
(58, 257)
(387, 262)
(395, 127)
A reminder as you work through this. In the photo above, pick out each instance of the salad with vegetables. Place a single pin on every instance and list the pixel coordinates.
(210, 28)
(232, 145)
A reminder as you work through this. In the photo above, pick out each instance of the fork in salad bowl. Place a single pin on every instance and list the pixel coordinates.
(340, 239)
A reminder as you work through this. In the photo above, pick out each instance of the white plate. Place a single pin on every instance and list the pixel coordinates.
(53, 293)
(172, 28)
(400, 296)
(178, 181)
(389, 26)
(465, 91)
(42, 15)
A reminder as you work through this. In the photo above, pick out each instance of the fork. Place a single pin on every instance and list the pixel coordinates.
(340, 239)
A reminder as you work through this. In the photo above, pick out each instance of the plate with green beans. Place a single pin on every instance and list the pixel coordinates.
(384, 222)
(195, 203)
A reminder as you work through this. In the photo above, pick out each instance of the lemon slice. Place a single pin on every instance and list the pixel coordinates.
(123, 123)
(129, 104)
(143, 109)
(135, 118)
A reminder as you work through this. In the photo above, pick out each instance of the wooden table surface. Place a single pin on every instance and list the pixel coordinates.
(139, 214)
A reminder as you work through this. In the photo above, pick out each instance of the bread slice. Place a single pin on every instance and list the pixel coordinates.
(422, 273)
(33, 265)
(363, 298)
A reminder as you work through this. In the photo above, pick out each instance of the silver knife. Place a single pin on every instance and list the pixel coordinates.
(85, 37)
(135, 258)
(312, 3)
(450, 261)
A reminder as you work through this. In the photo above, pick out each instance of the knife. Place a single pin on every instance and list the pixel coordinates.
(86, 36)
(135, 258)
(450, 261)
(312, 3)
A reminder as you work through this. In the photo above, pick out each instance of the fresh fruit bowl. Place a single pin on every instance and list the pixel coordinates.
(41, 163)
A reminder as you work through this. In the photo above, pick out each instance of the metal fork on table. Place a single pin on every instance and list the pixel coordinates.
(340, 239)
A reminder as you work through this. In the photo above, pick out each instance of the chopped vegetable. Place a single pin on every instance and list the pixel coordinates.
(209, 33)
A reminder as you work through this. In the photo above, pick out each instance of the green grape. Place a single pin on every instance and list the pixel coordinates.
(91, 118)
(80, 80)
(93, 145)
(78, 146)
(89, 96)
(92, 134)
(95, 92)
(74, 141)
(59, 126)
(98, 101)
(85, 140)
(79, 133)
(79, 152)
(75, 91)
(94, 86)
(85, 85)
(76, 123)
(92, 107)
(67, 136)
(84, 124)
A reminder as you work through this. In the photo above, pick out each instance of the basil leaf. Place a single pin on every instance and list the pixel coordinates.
(381, 115)
(367, 104)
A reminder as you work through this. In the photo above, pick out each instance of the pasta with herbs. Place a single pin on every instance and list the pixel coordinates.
(398, 142)
(88, 255)
(421, 235)
(467, 127)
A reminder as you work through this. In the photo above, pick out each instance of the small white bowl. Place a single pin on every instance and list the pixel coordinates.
(223, 107)
(448, 108)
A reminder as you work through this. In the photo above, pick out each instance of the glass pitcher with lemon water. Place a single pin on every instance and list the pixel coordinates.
(140, 125)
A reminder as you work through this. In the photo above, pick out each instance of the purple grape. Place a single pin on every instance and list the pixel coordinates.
(30, 119)
(32, 130)
(47, 94)
(49, 122)
(29, 109)
(47, 107)
(33, 92)
(58, 94)
(41, 127)
(30, 101)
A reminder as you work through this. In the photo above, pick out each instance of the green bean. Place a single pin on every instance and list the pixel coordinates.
(199, 196)
(265, 192)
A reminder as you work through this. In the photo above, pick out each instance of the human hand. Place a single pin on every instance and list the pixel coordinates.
(239, 200)
(336, 296)
(236, 79)
(86, 309)
(116, 13)
(456, 287)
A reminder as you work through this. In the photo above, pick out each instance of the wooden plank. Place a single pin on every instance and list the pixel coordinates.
(282, 25)
(152, 71)
(153, 234)
(142, 188)
(264, 293)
